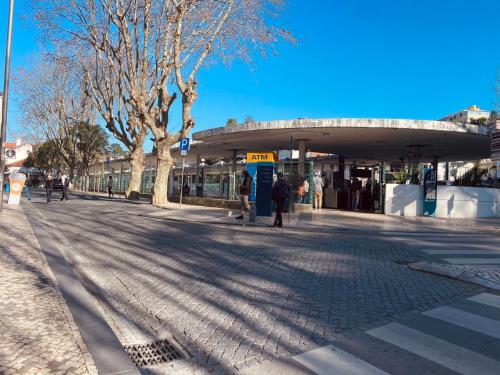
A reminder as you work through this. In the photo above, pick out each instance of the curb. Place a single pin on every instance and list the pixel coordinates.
(454, 273)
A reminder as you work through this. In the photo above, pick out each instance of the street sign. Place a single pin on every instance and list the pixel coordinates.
(184, 146)
(10, 153)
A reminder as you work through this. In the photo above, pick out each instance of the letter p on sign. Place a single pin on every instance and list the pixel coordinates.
(184, 146)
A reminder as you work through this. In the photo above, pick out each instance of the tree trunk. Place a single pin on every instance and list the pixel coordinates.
(136, 169)
(164, 164)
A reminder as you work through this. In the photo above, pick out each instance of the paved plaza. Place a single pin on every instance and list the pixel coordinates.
(235, 298)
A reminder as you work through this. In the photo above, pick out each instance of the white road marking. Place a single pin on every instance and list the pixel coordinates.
(486, 299)
(462, 252)
(465, 319)
(437, 350)
(330, 360)
(473, 260)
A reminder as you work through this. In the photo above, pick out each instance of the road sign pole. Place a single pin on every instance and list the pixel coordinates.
(5, 101)
(182, 179)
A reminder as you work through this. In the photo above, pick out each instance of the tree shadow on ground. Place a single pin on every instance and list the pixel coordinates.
(234, 296)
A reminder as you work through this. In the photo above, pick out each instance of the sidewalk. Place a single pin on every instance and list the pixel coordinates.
(37, 331)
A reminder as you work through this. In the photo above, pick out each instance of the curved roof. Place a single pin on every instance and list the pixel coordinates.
(372, 139)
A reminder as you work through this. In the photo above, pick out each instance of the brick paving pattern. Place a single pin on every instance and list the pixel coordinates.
(234, 296)
(37, 332)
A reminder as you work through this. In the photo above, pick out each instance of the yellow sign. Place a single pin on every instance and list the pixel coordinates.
(261, 157)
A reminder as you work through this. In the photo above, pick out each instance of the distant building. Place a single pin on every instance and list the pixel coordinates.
(16, 154)
(471, 115)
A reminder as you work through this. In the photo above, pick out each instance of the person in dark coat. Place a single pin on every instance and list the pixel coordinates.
(49, 186)
(279, 195)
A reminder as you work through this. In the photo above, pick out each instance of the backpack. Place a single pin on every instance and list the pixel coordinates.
(66, 182)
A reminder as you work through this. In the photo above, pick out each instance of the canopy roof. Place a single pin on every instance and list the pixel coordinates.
(363, 139)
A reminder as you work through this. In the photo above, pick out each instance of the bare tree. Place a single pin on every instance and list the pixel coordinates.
(209, 31)
(54, 105)
(129, 49)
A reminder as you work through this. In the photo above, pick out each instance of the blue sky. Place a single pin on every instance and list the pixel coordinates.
(417, 59)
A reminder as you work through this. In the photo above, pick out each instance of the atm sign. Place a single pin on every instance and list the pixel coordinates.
(261, 157)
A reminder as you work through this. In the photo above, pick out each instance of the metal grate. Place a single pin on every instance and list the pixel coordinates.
(153, 354)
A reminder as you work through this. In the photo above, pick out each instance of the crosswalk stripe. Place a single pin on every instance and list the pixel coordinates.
(486, 299)
(440, 351)
(461, 252)
(473, 260)
(329, 360)
(467, 320)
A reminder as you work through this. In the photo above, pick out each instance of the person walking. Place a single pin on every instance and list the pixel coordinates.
(245, 187)
(65, 186)
(279, 195)
(27, 187)
(305, 184)
(49, 186)
(318, 191)
(110, 187)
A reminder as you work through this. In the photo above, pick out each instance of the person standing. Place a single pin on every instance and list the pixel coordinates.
(245, 187)
(49, 185)
(65, 186)
(110, 187)
(279, 195)
(306, 191)
(318, 191)
(27, 187)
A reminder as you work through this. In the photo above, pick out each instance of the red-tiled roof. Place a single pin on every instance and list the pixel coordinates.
(17, 163)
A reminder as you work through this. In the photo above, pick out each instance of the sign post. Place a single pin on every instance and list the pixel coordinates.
(184, 147)
(430, 191)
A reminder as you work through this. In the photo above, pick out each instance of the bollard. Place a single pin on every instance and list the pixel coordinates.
(253, 213)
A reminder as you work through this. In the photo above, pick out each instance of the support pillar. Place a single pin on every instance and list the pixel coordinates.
(232, 177)
(302, 158)
(197, 187)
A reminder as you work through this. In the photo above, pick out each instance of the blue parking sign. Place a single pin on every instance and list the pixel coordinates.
(184, 146)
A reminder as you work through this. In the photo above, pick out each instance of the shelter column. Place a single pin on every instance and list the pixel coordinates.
(302, 156)
(198, 161)
(232, 177)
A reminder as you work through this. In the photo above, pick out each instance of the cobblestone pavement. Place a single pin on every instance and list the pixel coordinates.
(37, 332)
(488, 272)
(234, 296)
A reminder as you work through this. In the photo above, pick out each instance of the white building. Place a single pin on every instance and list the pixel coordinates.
(15, 154)
(473, 114)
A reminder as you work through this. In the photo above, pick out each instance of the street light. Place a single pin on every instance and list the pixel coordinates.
(5, 101)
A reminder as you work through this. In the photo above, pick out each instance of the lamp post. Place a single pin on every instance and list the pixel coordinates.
(5, 101)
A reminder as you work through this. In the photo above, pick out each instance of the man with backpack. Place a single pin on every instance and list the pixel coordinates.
(65, 186)
(245, 187)
(280, 193)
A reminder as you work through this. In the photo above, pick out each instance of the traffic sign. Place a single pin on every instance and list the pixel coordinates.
(184, 146)
(10, 153)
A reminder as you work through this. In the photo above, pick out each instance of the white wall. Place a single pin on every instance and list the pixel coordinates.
(467, 202)
(403, 200)
(452, 201)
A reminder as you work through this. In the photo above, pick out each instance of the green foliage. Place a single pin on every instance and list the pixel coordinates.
(231, 122)
(116, 151)
(401, 176)
(46, 157)
(479, 121)
(92, 142)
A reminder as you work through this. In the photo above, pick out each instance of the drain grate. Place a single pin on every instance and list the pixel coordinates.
(153, 354)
